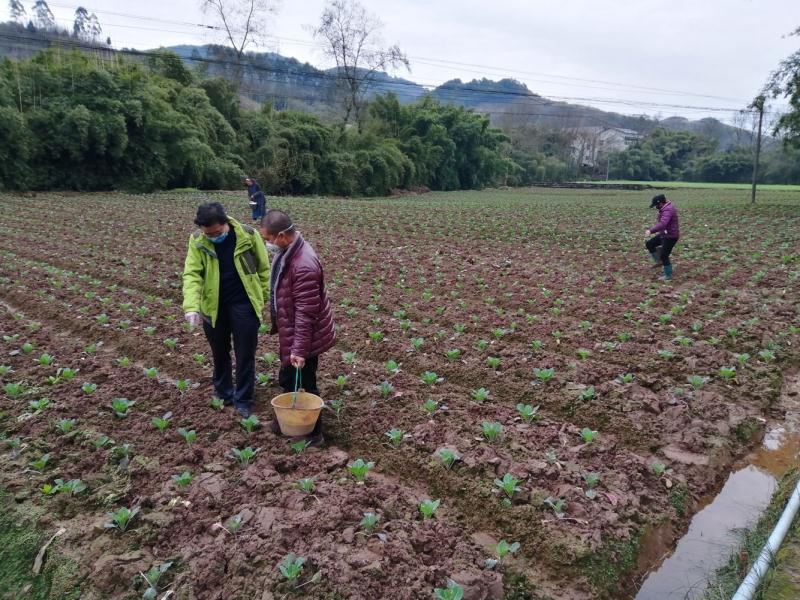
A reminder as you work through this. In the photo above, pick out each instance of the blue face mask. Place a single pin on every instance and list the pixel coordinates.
(219, 239)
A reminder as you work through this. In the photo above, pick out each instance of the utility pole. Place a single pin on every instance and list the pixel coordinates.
(757, 104)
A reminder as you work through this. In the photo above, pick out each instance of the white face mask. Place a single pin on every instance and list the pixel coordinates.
(273, 247)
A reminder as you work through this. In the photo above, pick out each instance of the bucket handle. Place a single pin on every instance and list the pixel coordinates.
(296, 386)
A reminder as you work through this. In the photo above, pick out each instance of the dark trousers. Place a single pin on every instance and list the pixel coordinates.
(665, 244)
(241, 322)
(287, 377)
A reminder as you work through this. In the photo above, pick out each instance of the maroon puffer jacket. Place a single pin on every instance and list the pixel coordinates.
(302, 318)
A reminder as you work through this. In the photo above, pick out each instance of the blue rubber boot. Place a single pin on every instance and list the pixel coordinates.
(667, 272)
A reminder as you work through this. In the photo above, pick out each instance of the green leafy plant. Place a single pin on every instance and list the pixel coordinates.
(307, 484)
(658, 468)
(183, 479)
(430, 406)
(171, 343)
(767, 355)
(300, 446)
(349, 357)
(557, 504)
(41, 463)
(493, 362)
(491, 431)
(291, 566)
(452, 354)
(14, 389)
(216, 403)
(359, 469)
(528, 413)
(453, 591)
(727, 373)
(396, 436)
(591, 479)
(392, 367)
(480, 395)
(588, 394)
(250, 424)
(89, 388)
(120, 407)
(369, 522)
(46, 359)
(583, 353)
(588, 435)
(40, 404)
(429, 378)
(626, 378)
(544, 375)
(67, 373)
(182, 385)
(385, 389)
(428, 508)
(503, 549)
(447, 456)
(5, 370)
(161, 423)
(65, 425)
(244, 455)
(151, 372)
(189, 435)
(102, 441)
(417, 343)
(124, 361)
(200, 359)
(28, 347)
(121, 518)
(152, 577)
(508, 486)
(697, 381)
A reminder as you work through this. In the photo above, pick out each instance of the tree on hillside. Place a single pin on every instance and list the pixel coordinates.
(351, 38)
(42, 16)
(17, 10)
(242, 22)
(785, 81)
(81, 25)
(94, 27)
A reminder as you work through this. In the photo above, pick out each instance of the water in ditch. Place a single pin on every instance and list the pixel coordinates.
(683, 574)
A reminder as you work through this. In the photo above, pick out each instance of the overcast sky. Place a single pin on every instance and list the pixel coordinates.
(720, 50)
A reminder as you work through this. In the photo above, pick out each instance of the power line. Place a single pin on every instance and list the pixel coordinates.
(428, 60)
(442, 90)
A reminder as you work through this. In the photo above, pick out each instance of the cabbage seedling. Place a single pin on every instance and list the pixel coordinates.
(666, 354)
(171, 343)
(742, 358)
(152, 578)
(250, 423)
(369, 521)
(359, 469)
(658, 468)
(151, 372)
(216, 403)
(697, 381)
(183, 479)
(5, 370)
(300, 446)
(149, 330)
(14, 389)
(183, 385)
(234, 524)
(536, 345)
(245, 455)
(491, 431)
(591, 479)
(291, 566)
(448, 457)
(122, 454)
(626, 377)
(89, 388)
(199, 358)
(40, 404)
(453, 354)
(544, 375)
(481, 345)
(767, 355)
(385, 388)
(376, 336)
(71, 487)
(103, 440)
(493, 362)
(557, 504)
(528, 413)
(588, 394)
(480, 395)
(65, 425)
(392, 367)
(46, 359)
(15, 444)
(507, 485)
(67, 373)
(416, 343)
(396, 436)
(503, 549)
(453, 591)
(337, 405)
(428, 507)
(27, 347)
(430, 406)
(429, 378)
(727, 372)
(190, 435)
(124, 361)
(307, 484)
(41, 463)
(583, 353)
(120, 406)
(349, 357)
(588, 435)
(161, 423)
(121, 518)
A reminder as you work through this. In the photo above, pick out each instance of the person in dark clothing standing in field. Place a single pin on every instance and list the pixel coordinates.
(666, 231)
(225, 287)
(258, 203)
(299, 307)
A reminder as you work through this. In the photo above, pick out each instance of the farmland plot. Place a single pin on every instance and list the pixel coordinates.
(515, 400)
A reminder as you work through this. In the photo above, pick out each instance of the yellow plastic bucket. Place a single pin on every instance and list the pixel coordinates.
(300, 419)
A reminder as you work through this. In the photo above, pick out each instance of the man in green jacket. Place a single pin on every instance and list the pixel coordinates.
(225, 287)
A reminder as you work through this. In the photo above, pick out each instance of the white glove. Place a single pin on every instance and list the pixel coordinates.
(193, 318)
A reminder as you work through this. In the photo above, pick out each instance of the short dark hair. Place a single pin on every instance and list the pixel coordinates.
(211, 213)
(276, 221)
(658, 199)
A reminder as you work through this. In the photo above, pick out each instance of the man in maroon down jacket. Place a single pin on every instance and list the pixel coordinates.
(299, 306)
(666, 231)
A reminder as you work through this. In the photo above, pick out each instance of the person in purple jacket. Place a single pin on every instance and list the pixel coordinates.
(666, 232)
